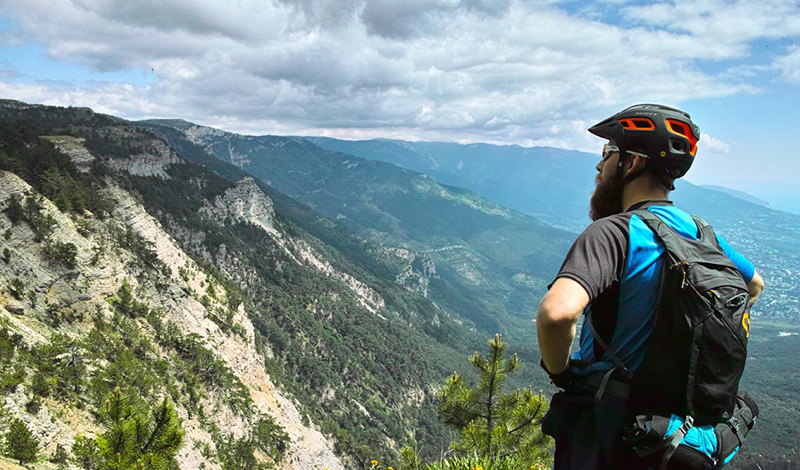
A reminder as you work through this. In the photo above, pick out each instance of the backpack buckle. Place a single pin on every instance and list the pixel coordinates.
(684, 266)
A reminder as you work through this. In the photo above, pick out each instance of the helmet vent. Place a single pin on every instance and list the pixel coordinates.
(681, 129)
(678, 146)
(638, 124)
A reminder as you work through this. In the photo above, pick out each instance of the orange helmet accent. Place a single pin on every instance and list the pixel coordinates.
(681, 128)
(638, 124)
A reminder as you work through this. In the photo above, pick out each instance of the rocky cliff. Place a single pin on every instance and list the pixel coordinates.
(84, 290)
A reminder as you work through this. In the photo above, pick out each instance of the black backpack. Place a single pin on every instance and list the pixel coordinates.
(695, 355)
(698, 347)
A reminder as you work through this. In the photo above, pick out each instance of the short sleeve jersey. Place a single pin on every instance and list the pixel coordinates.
(618, 261)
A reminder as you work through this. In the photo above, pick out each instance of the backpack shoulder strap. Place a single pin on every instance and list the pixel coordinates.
(674, 243)
(654, 222)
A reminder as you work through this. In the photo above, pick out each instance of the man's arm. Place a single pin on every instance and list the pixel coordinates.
(555, 322)
(755, 287)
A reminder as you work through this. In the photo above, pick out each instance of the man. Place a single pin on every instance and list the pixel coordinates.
(614, 268)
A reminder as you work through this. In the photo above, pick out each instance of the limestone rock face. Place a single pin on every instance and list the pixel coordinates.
(246, 203)
(73, 147)
(153, 161)
(202, 135)
(84, 290)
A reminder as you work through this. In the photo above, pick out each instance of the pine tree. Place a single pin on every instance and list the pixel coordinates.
(125, 302)
(493, 424)
(139, 439)
(20, 443)
(60, 456)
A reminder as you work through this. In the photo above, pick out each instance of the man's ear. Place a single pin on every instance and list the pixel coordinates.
(634, 164)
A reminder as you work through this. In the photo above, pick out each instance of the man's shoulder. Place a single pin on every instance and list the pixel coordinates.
(617, 223)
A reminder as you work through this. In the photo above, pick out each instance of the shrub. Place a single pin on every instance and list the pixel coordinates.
(61, 253)
(20, 443)
(86, 452)
(14, 210)
(60, 456)
(16, 287)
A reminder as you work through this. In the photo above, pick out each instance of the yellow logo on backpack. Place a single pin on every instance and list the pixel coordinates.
(746, 323)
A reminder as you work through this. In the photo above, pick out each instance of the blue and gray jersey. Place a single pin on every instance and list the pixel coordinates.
(618, 261)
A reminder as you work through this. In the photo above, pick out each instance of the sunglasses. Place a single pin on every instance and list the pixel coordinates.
(609, 150)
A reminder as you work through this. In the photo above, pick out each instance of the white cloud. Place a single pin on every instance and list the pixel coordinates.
(789, 65)
(710, 143)
(464, 70)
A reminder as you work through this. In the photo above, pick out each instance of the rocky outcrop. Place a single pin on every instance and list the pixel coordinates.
(74, 148)
(244, 203)
(85, 288)
(417, 274)
(308, 447)
(152, 162)
(203, 135)
(367, 297)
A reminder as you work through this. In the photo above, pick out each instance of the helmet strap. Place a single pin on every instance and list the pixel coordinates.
(624, 158)
(621, 161)
(665, 179)
(663, 176)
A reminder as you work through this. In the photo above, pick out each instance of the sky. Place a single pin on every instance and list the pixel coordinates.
(537, 72)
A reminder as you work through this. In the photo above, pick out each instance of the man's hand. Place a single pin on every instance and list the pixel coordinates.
(555, 323)
(562, 380)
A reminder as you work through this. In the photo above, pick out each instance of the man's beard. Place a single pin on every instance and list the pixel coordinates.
(606, 199)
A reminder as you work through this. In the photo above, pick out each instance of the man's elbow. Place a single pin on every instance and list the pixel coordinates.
(755, 287)
(554, 315)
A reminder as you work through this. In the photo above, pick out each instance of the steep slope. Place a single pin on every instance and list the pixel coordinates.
(80, 293)
(478, 260)
(167, 279)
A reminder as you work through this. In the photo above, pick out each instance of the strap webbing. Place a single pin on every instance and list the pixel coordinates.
(617, 361)
(675, 440)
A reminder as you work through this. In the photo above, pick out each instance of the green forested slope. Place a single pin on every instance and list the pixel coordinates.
(480, 261)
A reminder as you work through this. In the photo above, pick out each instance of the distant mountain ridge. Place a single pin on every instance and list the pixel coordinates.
(539, 181)
(738, 194)
(556, 185)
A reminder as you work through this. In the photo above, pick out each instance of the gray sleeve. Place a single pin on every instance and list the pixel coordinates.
(597, 258)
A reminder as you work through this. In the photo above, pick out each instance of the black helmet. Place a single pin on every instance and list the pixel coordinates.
(666, 135)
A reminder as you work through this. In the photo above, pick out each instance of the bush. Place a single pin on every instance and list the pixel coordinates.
(41, 224)
(61, 253)
(60, 456)
(270, 438)
(16, 287)
(42, 385)
(14, 210)
(20, 443)
(9, 380)
(34, 405)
